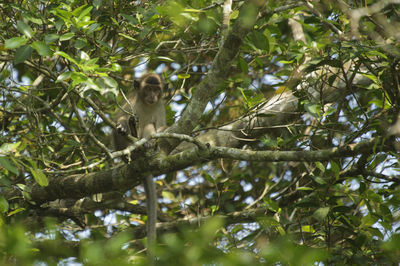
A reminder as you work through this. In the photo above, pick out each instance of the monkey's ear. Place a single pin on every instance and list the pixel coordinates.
(136, 84)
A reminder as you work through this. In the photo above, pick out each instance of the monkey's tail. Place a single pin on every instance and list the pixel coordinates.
(151, 206)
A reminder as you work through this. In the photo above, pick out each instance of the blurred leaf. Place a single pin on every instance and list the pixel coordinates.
(304, 188)
(244, 67)
(321, 213)
(11, 213)
(168, 195)
(259, 40)
(7, 164)
(318, 179)
(371, 77)
(368, 220)
(66, 56)
(183, 76)
(320, 166)
(307, 229)
(313, 109)
(3, 205)
(41, 48)
(23, 53)
(67, 36)
(39, 177)
(50, 38)
(64, 76)
(25, 29)
(15, 42)
(281, 90)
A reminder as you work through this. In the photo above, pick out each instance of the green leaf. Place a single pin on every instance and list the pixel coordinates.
(127, 37)
(80, 43)
(371, 77)
(313, 109)
(243, 65)
(25, 29)
(106, 82)
(307, 229)
(64, 76)
(131, 19)
(164, 58)
(85, 12)
(320, 166)
(67, 56)
(50, 38)
(67, 36)
(15, 42)
(6, 148)
(7, 164)
(64, 14)
(368, 220)
(259, 40)
(78, 77)
(22, 54)
(183, 76)
(168, 195)
(39, 177)
(33, 19)
(78, 11)
(321, 213)
(116, 67)
(234, 14)
(3, 205)
(15, 211)
(318, 179)
(304, 188)
(41, 48)
(335, 169)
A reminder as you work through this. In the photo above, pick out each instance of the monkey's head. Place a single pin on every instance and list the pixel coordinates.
(150, 88)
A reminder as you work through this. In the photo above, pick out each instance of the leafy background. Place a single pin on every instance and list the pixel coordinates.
(64, 65)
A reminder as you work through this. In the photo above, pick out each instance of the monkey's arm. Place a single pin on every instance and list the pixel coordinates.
(133, 123)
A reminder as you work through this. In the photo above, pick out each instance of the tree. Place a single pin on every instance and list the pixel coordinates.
(283, 132)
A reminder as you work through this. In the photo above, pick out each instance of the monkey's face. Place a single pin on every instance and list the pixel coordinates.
(151, 94)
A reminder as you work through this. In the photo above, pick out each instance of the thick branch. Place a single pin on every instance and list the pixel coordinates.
(220, 69)
(128, 176)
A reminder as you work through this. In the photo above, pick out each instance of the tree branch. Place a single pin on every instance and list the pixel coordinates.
(220, 69)
(128, 176)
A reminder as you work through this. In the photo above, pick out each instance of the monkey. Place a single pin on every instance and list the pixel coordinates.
(146, 109)
(147, 117)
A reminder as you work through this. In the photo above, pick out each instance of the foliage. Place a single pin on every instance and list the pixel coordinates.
(63, 68)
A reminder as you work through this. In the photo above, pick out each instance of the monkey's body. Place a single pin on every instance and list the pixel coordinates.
(149, 119)
(146, 117)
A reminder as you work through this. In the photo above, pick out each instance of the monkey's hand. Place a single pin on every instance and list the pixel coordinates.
(122, 129)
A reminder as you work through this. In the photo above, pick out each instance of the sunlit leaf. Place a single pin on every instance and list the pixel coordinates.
(64, 76)
(39, 177)
(66, 56)
(25, 29)
(168, 195)
(183, 76)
